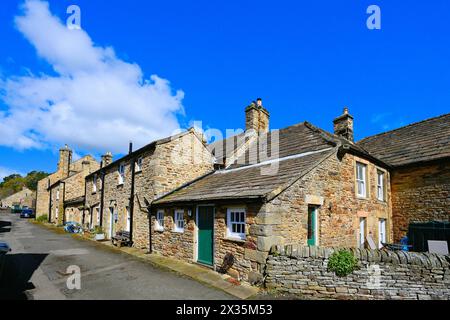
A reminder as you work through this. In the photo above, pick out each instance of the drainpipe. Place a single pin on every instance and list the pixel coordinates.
(149, 228)
(85, 197)
(63, 205)
(102, 197)
(131, 205)
(49, 203)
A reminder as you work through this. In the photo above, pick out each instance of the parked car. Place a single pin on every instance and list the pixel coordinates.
(16, 209)
(27, 213)
(4, 249)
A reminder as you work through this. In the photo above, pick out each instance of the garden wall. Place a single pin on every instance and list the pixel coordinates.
(381, 274)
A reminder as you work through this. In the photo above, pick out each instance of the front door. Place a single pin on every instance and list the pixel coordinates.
(205, 224)
(312, 228)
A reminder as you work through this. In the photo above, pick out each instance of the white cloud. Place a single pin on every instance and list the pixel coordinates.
(96, 102)
(4, 172)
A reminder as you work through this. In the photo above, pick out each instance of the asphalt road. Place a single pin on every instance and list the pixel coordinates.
(38, 264)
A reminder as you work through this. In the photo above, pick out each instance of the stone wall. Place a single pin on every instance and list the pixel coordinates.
(283, 220)
(331, 187)
(302, 270)
(165, 167)
(24, 197)
(420, 194)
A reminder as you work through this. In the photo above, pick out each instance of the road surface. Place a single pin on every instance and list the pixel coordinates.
(38, 264)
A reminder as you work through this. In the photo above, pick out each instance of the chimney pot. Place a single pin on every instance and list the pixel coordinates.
(343, 125)
(256, 117)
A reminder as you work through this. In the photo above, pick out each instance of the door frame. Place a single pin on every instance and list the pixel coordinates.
(111, 221)
(362, 229)
(381, 222)
(196, 249)
(316, 226)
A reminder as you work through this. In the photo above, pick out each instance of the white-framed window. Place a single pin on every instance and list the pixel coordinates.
(121, 172)
(381, 232)
(236, 223)
(159, 223)
(179, 221)
(361, 179)
(380, 185)
(138, 164)
(57, 194)
(94, 183)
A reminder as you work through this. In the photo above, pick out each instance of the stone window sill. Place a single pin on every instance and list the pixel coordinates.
(159, 229)
(178, 231)
(234, 239)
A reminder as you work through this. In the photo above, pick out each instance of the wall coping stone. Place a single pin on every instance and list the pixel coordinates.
(431, 260)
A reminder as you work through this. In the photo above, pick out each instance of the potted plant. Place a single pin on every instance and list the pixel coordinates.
(98, 233)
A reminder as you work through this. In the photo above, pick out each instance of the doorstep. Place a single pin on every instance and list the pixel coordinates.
(194, 271)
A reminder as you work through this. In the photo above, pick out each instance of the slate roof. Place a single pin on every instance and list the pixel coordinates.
(419, 142)
(79, 199)
(246, 182)
(301, 148)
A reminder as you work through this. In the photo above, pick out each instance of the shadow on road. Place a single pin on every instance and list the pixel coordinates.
(17, 271)
(5, 226)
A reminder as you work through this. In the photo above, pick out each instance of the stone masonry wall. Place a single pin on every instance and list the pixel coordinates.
(420, 194)
(387, 275)
(331, 187)
(184, 245)
(24, 197)
(164, 168)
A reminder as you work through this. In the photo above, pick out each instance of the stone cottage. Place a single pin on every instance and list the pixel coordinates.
(118, 194)
(24, 197)
(419, 155)
(60, 196)
(315, 188)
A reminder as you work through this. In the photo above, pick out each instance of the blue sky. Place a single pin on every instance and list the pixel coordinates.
(305, 59)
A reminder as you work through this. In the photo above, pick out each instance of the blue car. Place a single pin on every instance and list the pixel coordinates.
(27, 213)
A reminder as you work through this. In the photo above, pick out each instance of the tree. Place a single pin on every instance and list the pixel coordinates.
(32, 178)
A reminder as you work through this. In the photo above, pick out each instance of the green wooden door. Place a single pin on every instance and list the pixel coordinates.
(312, 228)
(205, 224)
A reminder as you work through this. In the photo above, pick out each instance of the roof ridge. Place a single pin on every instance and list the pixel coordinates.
(400, 128)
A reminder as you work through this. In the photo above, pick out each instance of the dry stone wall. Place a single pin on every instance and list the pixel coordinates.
(381, 274)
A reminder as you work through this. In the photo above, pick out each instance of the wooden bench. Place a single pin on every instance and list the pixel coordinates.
(122, 238)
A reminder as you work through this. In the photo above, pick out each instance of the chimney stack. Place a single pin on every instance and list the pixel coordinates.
(106, 159)
(257, 117)
(343, 125)
(65, 158)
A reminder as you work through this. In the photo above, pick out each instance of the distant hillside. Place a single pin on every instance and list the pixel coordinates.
(15, 182)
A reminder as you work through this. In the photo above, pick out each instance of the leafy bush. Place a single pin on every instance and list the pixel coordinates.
(342, 262)
(43, 218)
